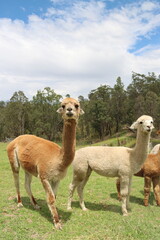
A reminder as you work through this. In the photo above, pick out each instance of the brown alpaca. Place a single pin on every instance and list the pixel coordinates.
(151, 173)
(158, 132)
(45, 159)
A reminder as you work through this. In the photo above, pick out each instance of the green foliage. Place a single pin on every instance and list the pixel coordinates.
(37, 117)
(16, 115)
(107, 109)
(99, 109)
(44, 119)
(103, 220)
(119, 104)
(144, 95)
(2, 119)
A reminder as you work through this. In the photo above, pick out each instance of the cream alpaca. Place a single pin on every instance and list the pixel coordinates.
(45, 159)
(112, 162)
(151, 173)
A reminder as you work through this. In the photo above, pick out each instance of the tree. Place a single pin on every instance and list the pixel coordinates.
(2, 120)
(153, 83)
(139, 106)
(19, 97)
(99, 110)
(43, 117)
(119, 103)
(106, 110)
(152, 106)
(16, 114)
(139, 88)
(84, 125)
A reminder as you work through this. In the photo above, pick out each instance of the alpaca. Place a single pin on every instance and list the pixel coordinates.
(155, 149)
(120, 162)
(45, 159)
(158, 133)
(151, 173)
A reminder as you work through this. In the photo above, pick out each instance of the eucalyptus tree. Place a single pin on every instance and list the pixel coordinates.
(119, 104)
(100, 110)
(44, 120)
(16, 115)
(2, 120)
(84, 130)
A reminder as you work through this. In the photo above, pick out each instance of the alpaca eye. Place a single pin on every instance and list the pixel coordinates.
(141, 122)
(63, 106)
(77, 106)
(151, 122)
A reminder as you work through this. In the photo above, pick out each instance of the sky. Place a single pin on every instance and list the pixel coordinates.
(76, 46)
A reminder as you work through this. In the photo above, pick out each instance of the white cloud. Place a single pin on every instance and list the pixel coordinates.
(148, 6)
(76, 49)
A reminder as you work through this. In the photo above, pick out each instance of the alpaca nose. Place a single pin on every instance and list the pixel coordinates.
(69, 109)
(149, 128)
(69, 112)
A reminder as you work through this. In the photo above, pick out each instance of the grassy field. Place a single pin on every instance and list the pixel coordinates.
(103, 220)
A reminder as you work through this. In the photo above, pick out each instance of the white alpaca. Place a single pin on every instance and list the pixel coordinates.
(119, 162)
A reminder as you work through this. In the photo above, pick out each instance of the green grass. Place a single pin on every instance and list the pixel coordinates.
(103, 221)
(119, 139)
(123, 140)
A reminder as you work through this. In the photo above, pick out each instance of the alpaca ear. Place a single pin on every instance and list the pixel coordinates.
(81, 112)
(134, 126)
(60, 110)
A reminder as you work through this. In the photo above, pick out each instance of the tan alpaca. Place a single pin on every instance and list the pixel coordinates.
(151, 173)
(112, 162)
(45, 159)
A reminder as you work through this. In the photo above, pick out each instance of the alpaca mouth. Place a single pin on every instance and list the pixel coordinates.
(69, 114)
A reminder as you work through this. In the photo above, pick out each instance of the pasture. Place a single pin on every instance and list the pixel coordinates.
(103, 220)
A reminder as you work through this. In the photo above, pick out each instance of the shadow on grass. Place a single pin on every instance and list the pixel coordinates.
(136, 200)
(44, 210)
(151, 198)
(98, 206)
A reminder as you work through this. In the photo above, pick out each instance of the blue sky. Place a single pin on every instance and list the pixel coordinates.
(20, 9)
(76, 46)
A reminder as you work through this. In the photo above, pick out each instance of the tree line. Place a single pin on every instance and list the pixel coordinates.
(107, 110)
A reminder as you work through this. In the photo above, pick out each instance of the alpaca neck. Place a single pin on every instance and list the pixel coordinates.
(140, 151)
(68, 142)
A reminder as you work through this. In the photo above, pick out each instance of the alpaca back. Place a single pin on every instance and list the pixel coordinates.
(106, 161)
(151, 166)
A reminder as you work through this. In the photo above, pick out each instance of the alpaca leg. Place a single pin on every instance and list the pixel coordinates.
(124, 190)
(28, 179)
(80, 194)
(147, 187)
(129, 191)
(51, 203)
(15, 169)
(156, 189)
(16, 182)
(118, 189)
(55, 186)
(80, 190)
(72, 188)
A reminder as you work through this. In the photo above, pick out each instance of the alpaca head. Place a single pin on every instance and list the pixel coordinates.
(158, 132)
(70, 109)
(143, 123)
